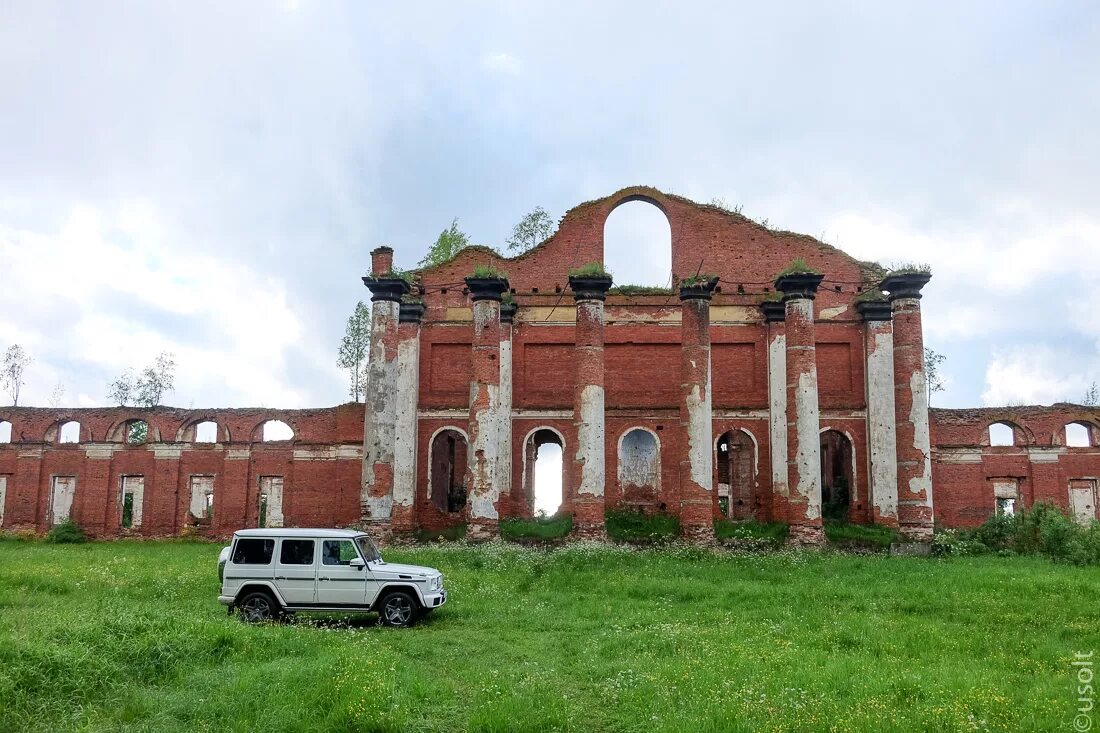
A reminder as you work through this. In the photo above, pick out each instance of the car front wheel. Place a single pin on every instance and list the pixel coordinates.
(398, 609)
(258, 607)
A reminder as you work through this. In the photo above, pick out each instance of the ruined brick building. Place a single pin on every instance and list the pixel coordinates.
(742, 393)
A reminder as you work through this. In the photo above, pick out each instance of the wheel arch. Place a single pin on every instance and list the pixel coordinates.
(389, 587)
(253, 586)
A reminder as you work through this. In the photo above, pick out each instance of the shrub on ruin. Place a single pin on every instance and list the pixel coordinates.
(67, 533)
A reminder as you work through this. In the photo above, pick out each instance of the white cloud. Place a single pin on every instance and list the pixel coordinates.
(503, 63)
(86, 301)
(1036, 374)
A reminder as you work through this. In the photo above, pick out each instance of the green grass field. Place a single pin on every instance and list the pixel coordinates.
(129, 636)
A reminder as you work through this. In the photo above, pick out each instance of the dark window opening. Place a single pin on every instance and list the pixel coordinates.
(296, 552)
(253, 551)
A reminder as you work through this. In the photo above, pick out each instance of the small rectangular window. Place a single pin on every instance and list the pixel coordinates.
(338, 552)
(296, 552)
(253, 551)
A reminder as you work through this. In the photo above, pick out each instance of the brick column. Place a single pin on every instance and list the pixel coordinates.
(774, 312)
(803, 414)
(588, 474)
(504, 449)
(405, 432)
(881, 429)
(911, 402)
(483, 460)
(376, 495)
(696, 417)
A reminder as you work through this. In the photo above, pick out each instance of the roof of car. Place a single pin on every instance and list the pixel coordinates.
(298, 532)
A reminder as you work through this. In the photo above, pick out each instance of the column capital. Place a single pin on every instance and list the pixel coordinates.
(905, 284)
(487, 288)
(589, 287)
(698, 288)
(411, 313)
(874, 310)
(798, 285)
(508, 311)
(386, 288)
(774, 311)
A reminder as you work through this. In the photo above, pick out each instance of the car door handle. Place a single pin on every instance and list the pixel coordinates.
(280, 577)
(322, 578)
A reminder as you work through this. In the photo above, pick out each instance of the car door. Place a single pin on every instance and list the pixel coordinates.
(296, 570)
(338, 582)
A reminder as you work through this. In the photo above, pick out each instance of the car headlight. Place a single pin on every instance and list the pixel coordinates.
(437, 582)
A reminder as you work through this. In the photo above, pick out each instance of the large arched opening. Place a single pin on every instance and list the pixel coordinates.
(637, 245)
(543, 471)
(639, 470)
(735, 461)
(447, 470)
(837, 476)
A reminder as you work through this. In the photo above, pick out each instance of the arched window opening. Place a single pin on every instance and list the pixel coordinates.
(735, 458)
(543, 471)
(639, 469)
(836, 476)
(1077, 435)
(206, 432)
(447, 471)
(137, 432)
(69, 432)
(1001, 434)
(637, 245)
(271, 502)
(275, 430)
(5, 431)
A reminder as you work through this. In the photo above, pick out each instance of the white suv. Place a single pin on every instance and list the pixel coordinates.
(267, 574)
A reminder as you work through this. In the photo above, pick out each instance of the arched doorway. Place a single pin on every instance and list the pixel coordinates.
(837, 478)
(639, 471)
(543, 471)
(638, 244)
(447, 470)
(735, 460)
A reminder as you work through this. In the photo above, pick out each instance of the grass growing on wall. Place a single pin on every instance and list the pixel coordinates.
(774, 532)
(128, 636)
(536, 528)
(624, 526)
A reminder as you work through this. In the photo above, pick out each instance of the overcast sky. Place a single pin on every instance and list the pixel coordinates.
(208, 179)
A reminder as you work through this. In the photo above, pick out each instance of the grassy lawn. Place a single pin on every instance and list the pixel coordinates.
(129, 636)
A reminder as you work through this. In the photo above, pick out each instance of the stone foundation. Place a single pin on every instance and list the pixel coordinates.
(802, 535)
(482, 531)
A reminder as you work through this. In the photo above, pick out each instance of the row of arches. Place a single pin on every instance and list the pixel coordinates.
(736, 469)
(137, 431)
(1078, 434)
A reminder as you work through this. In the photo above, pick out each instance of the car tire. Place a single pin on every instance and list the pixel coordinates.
(398, 609)
(259, 607)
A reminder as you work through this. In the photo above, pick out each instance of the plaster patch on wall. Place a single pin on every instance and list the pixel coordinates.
(828, 314)
(809, 448)
(504, 424)
(590, 440)
(700, 434)
(777, 419)
(882, 424)
(918, 414)
(404, 460)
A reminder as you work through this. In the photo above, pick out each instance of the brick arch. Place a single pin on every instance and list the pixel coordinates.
(433, 499)
(186, 431)
(257, 432)
(1058, 437)
(53, 432)
(116, 433)
(1022, 435)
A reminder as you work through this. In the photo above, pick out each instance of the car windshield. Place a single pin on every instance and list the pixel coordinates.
(366, 546)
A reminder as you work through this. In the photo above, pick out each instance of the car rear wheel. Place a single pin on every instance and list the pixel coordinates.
(398, 609)
(258, 607)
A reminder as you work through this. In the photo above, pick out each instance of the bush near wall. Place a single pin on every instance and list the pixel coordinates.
(1043, 529)
(636, 527)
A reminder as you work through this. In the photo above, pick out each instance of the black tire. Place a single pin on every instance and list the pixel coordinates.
(398, 609)
(259, 607)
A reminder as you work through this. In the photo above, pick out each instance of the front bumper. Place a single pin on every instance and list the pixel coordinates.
(225, 600)
(435, 600)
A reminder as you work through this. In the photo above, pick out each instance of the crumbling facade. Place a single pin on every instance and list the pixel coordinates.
(751, 390)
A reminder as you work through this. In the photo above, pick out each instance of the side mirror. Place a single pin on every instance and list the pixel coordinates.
(357, 563)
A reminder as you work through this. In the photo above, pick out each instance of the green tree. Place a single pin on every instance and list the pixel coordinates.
(932, 361)
(1092, 395)
(533, 228)
(451, 240)
(145, 389)
(16, 361)
(354, 348)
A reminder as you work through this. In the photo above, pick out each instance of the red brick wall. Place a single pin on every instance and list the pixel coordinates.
(964, 465)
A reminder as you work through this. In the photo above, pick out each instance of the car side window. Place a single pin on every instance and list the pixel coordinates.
(296, 552)
(338, 552)
(253, 551)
